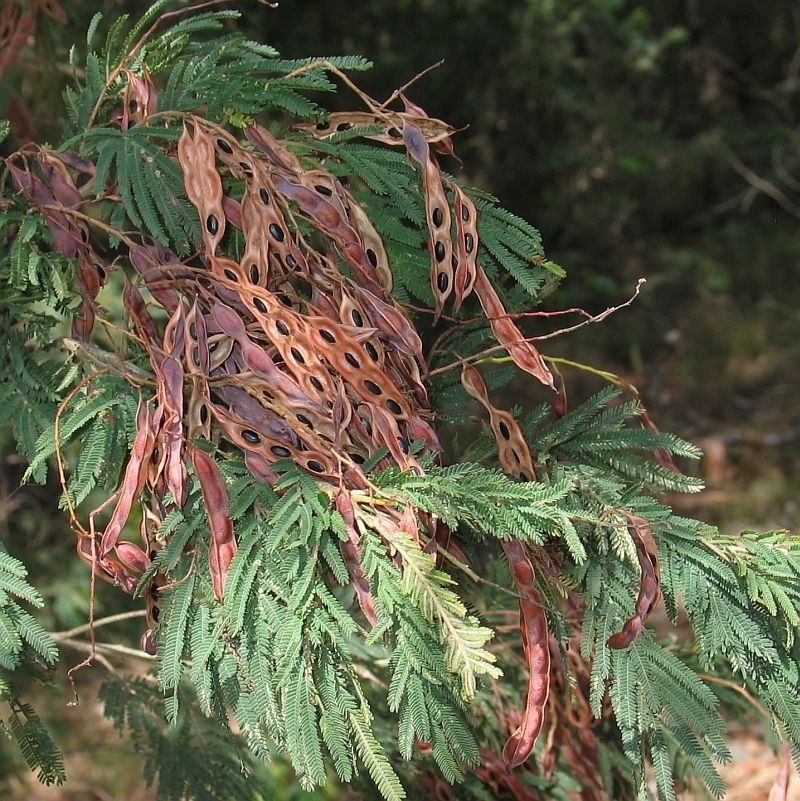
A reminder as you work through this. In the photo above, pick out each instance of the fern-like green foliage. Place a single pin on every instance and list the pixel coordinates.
(378, 644)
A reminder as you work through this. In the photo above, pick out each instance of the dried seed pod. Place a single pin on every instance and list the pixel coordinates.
(647, 552)
(134, 478)
(535, 641)
(352, 557)
(277, 153)
(466, 246)
(390, 122)
(513, 451)
(140, 99)
(222, 547)
(392, 322)
(437, 216)
(196, 155)
(524, 354)
(372, 244)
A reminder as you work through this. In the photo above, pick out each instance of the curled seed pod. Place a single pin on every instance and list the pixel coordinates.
(647, 552)
(196, 155)
(133, 481)
(524, 354)
(351, 554)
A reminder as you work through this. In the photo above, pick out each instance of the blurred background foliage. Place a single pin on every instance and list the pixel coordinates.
(644, 139)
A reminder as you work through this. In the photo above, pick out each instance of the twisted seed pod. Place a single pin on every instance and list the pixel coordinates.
(513, 451)
(647, 552)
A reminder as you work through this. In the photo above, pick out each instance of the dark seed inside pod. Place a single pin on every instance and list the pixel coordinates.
(403, 443)
(291, 262)
(250, 436)
(280, 451)
(282, 327)
(464, 213)
(504, 432)
(304, 420)
(437, 215)
(212, 224)
(415, 471)
(155, 612)
(255, 273)
(372, 387)
(394, 133)
(357, 318)
(277, 232)
(393, 406)
(231, 275)
(260, 305)
(352, 361)
(132, 106)
(372, 351)
(264, 195)
(203, 412)
(155, 592)
(323, 190)
(193, 331)
(316, 383)
(438, 251)
(357, 458)
(196, 356)
(442, 282)
(315, 466)
(327, 335)
(224, 146)
(285, 300)
(372, 256)
(297, 356)
(469, 243)
(245, 168)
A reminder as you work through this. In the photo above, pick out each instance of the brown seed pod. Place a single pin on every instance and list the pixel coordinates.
(647, 552)
(196, 155)
(466, 246)
(437, 217)
(390, 122)
(535, 641)
(512, 449)
(523, 352)
(222, 547)
(140, 99)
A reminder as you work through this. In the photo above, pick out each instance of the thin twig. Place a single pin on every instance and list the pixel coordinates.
(60, 636)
